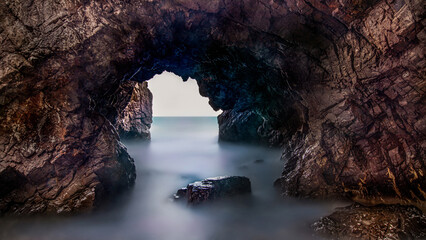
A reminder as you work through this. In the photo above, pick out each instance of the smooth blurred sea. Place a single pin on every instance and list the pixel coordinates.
(183, 150)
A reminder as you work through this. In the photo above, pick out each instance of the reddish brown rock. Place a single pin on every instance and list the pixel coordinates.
(135, 120)
(216, 188)
(379, 222)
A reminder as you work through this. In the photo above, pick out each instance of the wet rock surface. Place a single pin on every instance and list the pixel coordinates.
(214, 189)
(379, 222)
(338, 84)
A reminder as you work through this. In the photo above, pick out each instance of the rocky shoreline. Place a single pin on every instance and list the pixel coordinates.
(375, 222)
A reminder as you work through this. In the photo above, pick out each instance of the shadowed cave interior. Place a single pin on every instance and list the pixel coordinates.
(338, 86)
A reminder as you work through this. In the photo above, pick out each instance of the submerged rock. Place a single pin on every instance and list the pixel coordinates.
(214, 188)
(379, 222)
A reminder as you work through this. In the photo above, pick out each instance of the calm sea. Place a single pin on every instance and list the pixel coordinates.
(183, 150)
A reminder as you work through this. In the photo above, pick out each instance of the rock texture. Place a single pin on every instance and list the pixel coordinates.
(135, 120)
(338, 84)
(214, 189)
(380, 222)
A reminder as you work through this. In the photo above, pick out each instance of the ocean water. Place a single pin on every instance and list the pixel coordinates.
(184, 150)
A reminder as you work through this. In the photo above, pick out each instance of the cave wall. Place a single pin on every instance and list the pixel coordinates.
(366, 136)
(339, 85)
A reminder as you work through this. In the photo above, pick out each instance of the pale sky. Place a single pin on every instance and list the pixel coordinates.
(174, 97)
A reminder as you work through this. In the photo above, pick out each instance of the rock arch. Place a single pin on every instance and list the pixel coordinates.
(339, 85)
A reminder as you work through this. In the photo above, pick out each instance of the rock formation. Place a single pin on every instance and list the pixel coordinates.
(136, 118)
(214, 189)
(338, 84)
(379, 222)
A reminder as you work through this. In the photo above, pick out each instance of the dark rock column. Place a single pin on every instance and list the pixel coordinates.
(136, 118)
(240, 126)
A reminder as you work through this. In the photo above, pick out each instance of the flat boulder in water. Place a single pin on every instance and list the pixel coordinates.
(214, 188)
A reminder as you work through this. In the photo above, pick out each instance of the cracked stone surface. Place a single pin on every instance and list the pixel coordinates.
(379, 222)
(339, 85)
(135, 120)
(215, 188)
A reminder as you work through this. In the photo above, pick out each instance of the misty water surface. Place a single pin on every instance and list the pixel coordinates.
(183, 150)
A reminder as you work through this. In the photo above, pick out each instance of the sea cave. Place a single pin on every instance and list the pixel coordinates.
(336, 87)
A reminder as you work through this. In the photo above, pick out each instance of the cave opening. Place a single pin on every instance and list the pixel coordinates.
(173, 97)
(179, 111)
